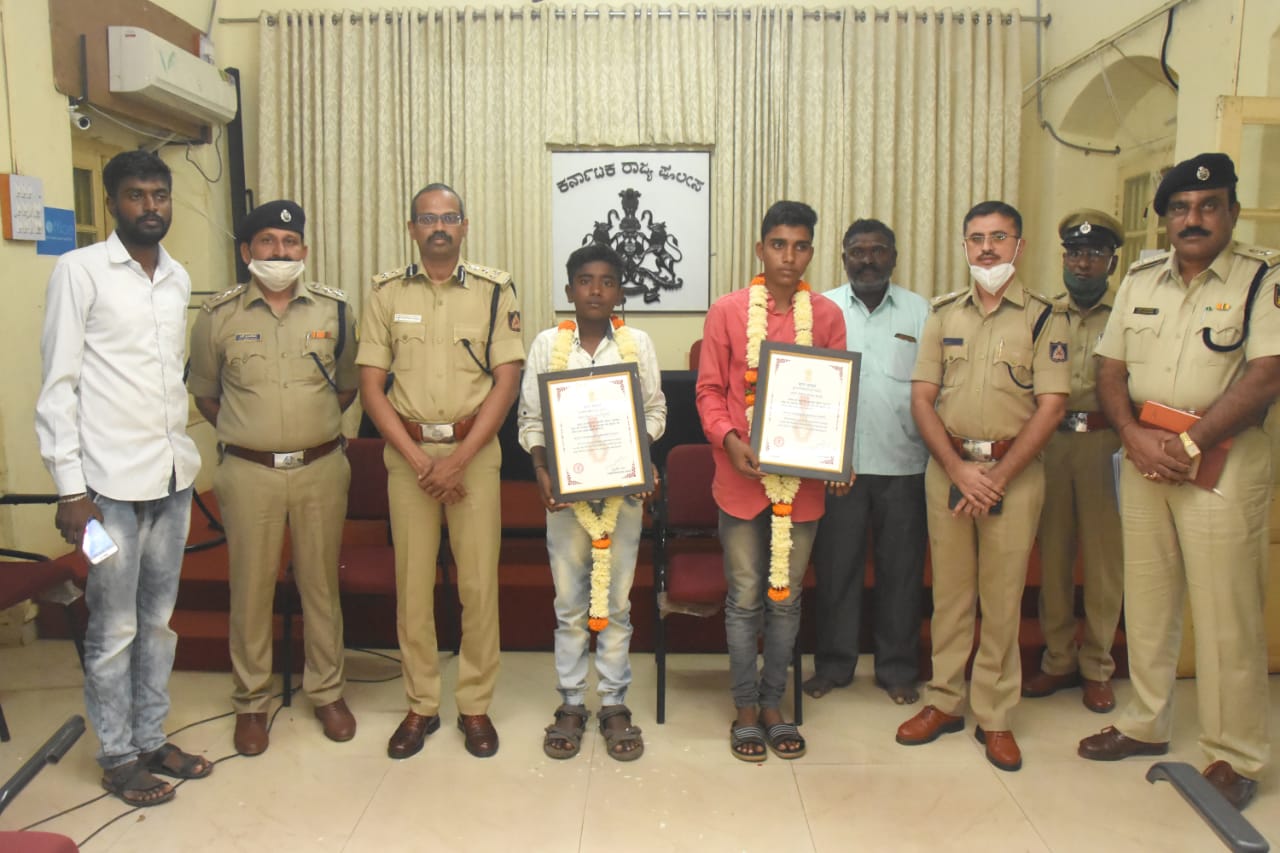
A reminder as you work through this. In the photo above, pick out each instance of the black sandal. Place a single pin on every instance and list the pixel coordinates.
(557, 731)
(187, 766)
(132, 783)
(614, 738)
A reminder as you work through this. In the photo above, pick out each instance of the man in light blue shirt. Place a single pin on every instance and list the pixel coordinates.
(884, 322)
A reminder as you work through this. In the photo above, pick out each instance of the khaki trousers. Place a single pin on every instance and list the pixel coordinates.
(1181, 540)
(256, 502)
(1080, 515)
(980, 561)
(475, 534)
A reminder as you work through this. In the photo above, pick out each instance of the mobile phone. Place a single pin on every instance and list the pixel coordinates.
(97, 544)
(955, 495)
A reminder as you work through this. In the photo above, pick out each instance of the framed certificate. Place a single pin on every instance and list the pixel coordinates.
(806, 407)
(597, 446)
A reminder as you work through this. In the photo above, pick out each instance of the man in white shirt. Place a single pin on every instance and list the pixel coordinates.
(111, 419)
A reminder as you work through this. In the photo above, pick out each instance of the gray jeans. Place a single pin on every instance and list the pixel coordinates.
(749, 612)
(129, 646)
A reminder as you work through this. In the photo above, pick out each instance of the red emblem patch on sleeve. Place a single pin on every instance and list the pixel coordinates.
(513, 321)
(1058, 351)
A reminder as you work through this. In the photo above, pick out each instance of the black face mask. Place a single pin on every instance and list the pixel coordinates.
(1085, 291)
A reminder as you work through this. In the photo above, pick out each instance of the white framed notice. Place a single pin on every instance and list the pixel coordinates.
(652, 207)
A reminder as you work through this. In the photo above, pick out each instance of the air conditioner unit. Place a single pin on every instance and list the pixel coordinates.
(145, 67)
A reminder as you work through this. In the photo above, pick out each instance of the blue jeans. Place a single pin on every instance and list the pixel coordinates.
(129, 646)
(748, 611)
(569, 550)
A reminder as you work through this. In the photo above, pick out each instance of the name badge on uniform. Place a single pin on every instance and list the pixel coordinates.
(904, 337)
(245, 336)
(1150, 312)
(953, 342)
(1058, 351)
(320, 334)
(407, 318)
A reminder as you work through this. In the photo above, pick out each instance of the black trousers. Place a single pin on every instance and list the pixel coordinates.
(890, 511)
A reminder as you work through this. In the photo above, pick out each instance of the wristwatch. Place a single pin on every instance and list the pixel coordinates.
(1193, 449)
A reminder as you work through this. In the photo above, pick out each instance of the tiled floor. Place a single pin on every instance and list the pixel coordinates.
(855, 790)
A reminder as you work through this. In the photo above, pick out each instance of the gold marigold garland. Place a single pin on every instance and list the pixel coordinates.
(780, 490)
(598, 524)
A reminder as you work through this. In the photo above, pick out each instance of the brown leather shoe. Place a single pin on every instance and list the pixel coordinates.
(481, 736)
(1111, 745)
(1098, 696)
(926, 726)
(1046, 684)
(410, 734)
(1002, 749)
(1236, 789)
(338, 721)
(251, 734)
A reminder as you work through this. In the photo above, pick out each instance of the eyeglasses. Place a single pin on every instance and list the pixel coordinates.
(977, 241)
(429, 219)
(1076, 253)
(861, 253)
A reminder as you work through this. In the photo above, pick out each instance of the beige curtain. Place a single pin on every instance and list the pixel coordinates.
(910, 117)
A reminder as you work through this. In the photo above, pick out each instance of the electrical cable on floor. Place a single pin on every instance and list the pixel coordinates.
(178, 784)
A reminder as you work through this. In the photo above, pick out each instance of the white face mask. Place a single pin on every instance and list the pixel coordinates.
(993, 278)
(276, 275)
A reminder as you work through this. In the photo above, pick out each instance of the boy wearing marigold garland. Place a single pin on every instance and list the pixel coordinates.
(767, 522)
(592, 545)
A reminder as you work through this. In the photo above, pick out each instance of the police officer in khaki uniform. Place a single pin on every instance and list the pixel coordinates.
(1197, 329)
(450, 333)
(273, 368)
(1080, 513)
(988, 391)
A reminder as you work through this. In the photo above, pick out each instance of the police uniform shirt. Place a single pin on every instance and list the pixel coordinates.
(1159, 326)
(988, 367)
(415, 329)
(1086, 327)
(267, 370)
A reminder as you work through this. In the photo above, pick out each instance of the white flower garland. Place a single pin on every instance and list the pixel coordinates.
(780, 490)
(599, 525)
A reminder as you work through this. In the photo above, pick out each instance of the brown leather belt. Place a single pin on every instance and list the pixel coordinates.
(981, 450)
(438, 433)
(290, 459)
(1084, 422)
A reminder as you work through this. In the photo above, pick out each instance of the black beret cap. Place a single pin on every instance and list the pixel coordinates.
(1202, 172)
(1088, 227)
(283, 214)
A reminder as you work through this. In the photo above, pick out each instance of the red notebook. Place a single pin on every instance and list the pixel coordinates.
(1205, 470)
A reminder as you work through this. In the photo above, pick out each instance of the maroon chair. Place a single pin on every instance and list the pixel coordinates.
(688, 565)
(363, 569)
(24, 575)
(51, 752)
(695, 354)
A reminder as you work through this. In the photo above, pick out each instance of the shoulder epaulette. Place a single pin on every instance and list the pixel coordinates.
(499, 277)
(326, 290)
(391, 275)
(1154, 260)
(222, 298)
(1057, 306)
(1268, 257)
(946, 299)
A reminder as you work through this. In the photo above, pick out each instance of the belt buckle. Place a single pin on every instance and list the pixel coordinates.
(437, 432)
(293, 459)
(1077, 422)
(978, 449)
